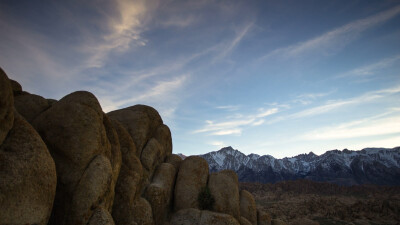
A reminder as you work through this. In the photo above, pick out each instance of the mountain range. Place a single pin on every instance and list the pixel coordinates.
(368, 166)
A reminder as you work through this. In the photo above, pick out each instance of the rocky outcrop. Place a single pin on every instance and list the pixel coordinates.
(30, 106)
(224, 187)
(66, 162)
(192, 176)
(85, 149)
(248, 208)
(159, 192)
(27, 171)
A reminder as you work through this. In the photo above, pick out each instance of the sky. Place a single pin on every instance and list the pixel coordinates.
(276, 78)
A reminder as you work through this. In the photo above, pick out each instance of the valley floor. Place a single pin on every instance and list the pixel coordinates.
(307, 202)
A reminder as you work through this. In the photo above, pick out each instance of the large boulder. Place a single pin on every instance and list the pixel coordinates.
(175, 160)
(159, 192)
(27, 176)
(140, 121)
(101, 217)
(224, 188)
(30, 105)
(163, 136)
(6, 106)
(151, 157)
(142, 212)
(188, 216)
(192, 216)
(248, 208)
(192, 176)
(84, 145)
(129, 180)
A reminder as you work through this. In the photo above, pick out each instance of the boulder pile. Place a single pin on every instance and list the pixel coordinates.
(67, 162)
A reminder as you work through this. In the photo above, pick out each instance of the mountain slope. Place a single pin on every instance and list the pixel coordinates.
(368, 166)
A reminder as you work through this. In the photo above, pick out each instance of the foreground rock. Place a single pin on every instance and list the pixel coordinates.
(87, 155)
(224, 187)
(115, 168)
(192, 176)
(27, 177)
(248, 208)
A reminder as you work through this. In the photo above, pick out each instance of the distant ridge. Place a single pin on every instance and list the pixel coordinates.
(368, 166)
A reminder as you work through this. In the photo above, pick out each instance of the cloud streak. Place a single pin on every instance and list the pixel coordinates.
(371, 69)
(235, 126)
(374, 126)
(336, 38)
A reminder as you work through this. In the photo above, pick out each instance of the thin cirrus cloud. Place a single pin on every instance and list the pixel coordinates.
(335, 104)
(371, 69)
(361, 128)
(336, 38)
(235, 126)
(125, 27)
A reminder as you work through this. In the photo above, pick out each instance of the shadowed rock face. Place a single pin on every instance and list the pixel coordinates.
(86, 150)
(27, 171)
(115, 168)
(6, 106)
(224, 187)
(192, 176)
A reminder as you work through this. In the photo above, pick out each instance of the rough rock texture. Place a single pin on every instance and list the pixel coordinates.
(27, 176)
(213, 218)
(142, 212)
(30, 106)
(175, 160)
(248, 208)
(163, 136)
(304, 221)
(140, 121)
(101, 217)
(188, 216)
(244, 221)
(192, 216)
(263, 218)
(129, 181)
(192, 176)
(224, 187)
(78, 137)
(6, 106)
(277, 222)
(115, 168)
(151, 157)
(159, 192)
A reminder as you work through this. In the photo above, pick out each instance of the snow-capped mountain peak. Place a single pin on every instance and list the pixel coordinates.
(370, 165)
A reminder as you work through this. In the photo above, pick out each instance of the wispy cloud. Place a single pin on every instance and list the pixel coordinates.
(372, 126)
(335, 104)
(235, 126)
(218, 144)
(336, 38)
(227, 49)
(125, 30)
(371, 69)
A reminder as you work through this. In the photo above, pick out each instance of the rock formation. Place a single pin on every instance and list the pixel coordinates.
(66, 162)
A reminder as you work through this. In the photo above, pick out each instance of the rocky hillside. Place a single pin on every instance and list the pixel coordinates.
(368, 166)
(309, 202)
(67, 162)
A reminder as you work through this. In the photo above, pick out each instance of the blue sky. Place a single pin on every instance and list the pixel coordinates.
(267, 77)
